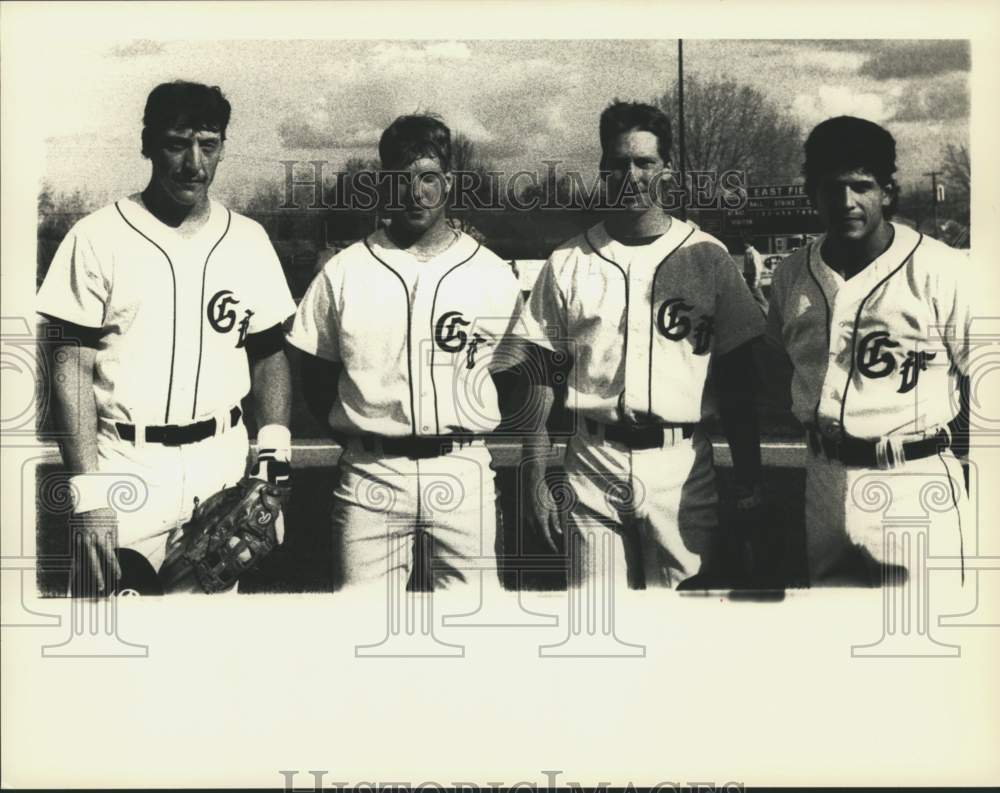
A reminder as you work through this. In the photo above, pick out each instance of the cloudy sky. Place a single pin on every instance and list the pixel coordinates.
(521, 102)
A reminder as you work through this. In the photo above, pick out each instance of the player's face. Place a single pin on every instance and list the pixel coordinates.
(423, 194)
(635, 169)
(851, 204)
(184, 162)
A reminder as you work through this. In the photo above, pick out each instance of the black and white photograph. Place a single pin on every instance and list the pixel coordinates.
(499, 395)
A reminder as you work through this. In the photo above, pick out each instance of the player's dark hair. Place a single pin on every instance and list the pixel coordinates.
(202, 107)
(846, 143)
(620, 117)
(412, 137)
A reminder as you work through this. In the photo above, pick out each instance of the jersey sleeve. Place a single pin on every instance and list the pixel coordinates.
(738, 318)
(76, 286)
(273, 298)
(954, 300)
(314, 329)
(510, 306)
(541, 319)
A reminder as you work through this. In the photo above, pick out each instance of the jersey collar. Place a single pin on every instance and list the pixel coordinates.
(654, 253)
(384, 249)
(135, 212)
(905, 241)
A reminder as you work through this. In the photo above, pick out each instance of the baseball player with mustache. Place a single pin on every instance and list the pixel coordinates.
(400, 333)
(171, 306)
(874, 318)
(644, 306)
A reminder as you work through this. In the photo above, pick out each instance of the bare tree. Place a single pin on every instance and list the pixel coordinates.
(729, 126)
(957, 173)
(360, 164)
(57, 212)
(355, 181)
(464, 156)
(266, 197)
(957, 168)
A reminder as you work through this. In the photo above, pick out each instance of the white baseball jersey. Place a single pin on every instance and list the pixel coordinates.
(641, 323)
(175, 311)
(878, 354)
(417, 340)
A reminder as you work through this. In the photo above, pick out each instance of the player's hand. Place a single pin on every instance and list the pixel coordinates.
(278, 473)
(547, 523)
(279, 527)
(96, 570)
(543, 514)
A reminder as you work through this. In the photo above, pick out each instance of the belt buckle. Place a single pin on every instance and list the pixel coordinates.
(676, 435)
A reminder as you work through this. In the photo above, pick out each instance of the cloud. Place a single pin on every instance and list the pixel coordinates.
(937, 101)
(406, 55)
(503, 104)
(867, 46)
(304, 134)
(896, 59)
(449, 50)
(827, 60)
(907, 59)
(839, 100)
(322, 127)
(137, 49)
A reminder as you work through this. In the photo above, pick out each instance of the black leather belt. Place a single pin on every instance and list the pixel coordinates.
(415, 447)
(864, 453)
(638, 437)
(177, 434)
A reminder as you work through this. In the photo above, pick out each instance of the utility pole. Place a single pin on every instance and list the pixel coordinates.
(934, 198)
(680, 120)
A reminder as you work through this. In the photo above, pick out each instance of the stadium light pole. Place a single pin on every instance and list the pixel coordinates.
(680, 121)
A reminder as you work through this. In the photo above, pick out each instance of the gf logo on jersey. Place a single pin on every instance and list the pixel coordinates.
(674, 323)
(222, 317)
(875, 360)
(450, 337)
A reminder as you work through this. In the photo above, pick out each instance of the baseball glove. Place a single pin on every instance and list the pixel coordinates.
(228, 534)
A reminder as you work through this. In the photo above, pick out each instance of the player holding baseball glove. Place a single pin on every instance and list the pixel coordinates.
(171, 308)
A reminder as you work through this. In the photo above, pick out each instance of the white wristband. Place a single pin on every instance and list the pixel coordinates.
(88, 492)
(277, 437)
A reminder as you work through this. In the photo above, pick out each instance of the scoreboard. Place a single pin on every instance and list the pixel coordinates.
(770, 210)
